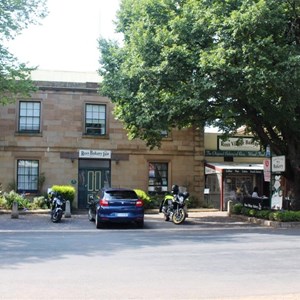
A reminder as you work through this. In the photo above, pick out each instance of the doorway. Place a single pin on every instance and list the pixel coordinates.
(93, 175)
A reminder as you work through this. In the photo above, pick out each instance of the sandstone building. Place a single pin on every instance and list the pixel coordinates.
(66, 134)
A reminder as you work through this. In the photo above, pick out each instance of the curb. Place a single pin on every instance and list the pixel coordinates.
(269, 223)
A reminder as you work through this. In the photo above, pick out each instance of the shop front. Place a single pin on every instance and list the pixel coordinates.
(233, 181)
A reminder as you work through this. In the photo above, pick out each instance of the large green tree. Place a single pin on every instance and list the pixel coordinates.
(16, 15)
(195, 62)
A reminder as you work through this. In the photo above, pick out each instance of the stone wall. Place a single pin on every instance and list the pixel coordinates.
(62, 135)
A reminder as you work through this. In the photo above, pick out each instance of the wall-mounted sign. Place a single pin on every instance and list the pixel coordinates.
(234, 153)
(238, 144)
(278, 163)
(99, 154)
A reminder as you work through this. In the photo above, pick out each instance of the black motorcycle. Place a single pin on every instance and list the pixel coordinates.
(91, 205)
(175, 207)
(57, 204)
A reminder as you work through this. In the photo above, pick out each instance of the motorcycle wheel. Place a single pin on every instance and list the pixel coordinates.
(56, 217)
(178, 216)
(90, 215)
(99, 224)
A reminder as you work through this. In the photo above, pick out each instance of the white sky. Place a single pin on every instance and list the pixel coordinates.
(67, 38)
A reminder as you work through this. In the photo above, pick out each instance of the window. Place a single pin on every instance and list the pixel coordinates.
(29, 117)
(28, 176)
(164, 133)
(158, 177)
(95, 119)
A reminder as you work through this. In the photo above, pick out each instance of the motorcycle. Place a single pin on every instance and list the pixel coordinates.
(175, 207)
(57, 204)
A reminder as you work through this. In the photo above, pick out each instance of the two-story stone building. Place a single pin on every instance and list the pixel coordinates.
(66, 134)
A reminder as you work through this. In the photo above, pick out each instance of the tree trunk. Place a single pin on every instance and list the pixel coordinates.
(292, 174)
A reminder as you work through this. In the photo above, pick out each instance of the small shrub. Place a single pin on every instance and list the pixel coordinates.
(155, 201)
(275, 216)
(193, 202)
(12, 197)
(144, 197)
(38, 203)
(66, 191)
(2, 202)
(263, 214)
(252, 212)
(245, 211)
(237, 208)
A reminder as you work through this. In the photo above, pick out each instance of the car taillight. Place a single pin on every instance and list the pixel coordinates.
(139, 203)
(103, 202)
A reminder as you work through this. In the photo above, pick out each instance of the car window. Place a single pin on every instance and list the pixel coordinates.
(121, 195)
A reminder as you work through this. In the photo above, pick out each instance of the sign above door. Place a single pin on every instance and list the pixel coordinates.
(98, 154)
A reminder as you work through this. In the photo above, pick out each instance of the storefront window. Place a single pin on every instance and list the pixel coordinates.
(158, 177)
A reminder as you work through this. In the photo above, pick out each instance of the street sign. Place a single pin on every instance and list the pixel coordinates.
(267, 170)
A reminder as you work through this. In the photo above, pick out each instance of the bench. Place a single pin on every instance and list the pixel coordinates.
(257, 203)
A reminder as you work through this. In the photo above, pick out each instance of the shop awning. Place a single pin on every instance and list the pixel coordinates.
(233, 168)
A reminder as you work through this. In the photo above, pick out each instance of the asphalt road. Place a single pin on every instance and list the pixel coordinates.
(208, 257)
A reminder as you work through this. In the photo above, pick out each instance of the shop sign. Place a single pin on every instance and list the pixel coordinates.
(242, 171)
(238, 144)
(99, 154)
(234, 153)
(278, 163)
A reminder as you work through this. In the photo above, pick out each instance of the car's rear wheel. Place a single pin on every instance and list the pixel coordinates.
(140, 224)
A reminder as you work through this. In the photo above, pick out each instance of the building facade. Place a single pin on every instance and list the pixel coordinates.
(66, 134)
(233, 167)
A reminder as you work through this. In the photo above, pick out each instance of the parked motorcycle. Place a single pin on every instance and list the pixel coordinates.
(91, 205)
(174, 207)
(57, 204)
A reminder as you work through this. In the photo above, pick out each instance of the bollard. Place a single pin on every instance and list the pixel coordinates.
(68, 209)
(229, 207)
(15, 211)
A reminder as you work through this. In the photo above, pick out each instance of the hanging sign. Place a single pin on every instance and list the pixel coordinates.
(278, 163)
(267, 170)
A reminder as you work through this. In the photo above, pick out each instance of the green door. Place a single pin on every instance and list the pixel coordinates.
(90, 181)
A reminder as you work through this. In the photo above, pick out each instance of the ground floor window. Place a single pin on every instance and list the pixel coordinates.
(158, 177)
(27, 175)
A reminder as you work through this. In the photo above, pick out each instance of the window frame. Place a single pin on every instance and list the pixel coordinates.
(162, 167)
(101, 125)
(30, 182)
(29, 126)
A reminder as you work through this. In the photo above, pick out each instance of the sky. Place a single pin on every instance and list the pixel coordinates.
(66, 39)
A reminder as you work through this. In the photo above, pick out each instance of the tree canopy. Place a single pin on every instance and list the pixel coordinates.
(16, 15)
(195, 62)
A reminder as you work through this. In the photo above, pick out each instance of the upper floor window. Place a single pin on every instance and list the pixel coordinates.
(95, 119)
(27, 175)
(29, 116)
